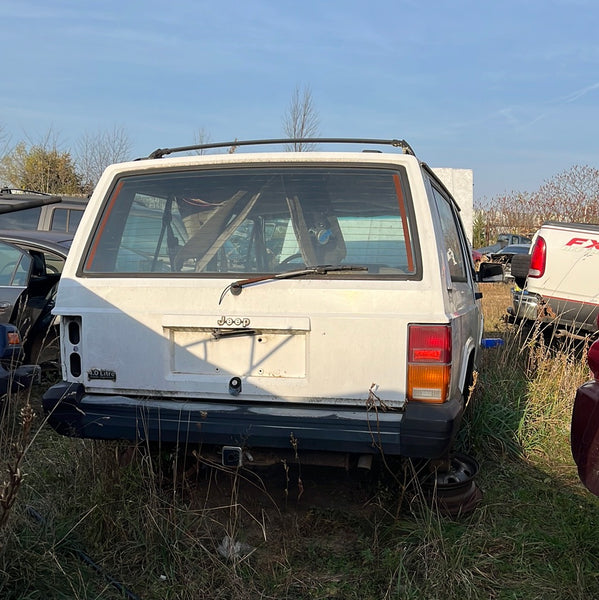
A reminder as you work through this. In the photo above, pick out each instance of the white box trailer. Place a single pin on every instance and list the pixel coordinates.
(460, 184)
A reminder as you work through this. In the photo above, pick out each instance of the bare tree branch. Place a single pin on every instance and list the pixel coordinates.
(4, 141)
(98, 150)
(572, 195)
(4, 151)
(301, 119)
(202, 136)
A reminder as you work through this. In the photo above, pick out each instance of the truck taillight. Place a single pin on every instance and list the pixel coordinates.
(538, 258)
(429, 362)
(14, 339)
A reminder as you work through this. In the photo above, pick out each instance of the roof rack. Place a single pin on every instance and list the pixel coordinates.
(17, 191)
(16, 202)
(161, 152)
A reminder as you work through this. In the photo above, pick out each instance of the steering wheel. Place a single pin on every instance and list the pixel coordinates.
(291, 258)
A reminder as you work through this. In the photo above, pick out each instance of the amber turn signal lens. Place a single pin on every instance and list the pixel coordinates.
(14, 339)
(428, 383)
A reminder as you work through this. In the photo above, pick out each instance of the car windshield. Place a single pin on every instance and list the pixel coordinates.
(257, 220)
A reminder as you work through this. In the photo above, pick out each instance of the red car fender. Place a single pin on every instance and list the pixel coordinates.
(584, 431)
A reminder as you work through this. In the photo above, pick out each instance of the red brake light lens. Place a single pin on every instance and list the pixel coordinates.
(430, 343)
(538, 258)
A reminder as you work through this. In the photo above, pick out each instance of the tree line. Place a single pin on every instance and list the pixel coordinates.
(569, 196)
(45, 167)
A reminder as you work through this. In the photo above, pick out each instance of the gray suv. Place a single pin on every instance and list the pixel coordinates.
(33, 210)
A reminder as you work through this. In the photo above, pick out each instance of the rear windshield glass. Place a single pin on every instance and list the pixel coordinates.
(66, 219)
(21, 219)
(238, 221)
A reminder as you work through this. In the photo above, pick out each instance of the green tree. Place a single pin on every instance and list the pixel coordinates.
(40, 169)
(478, 229)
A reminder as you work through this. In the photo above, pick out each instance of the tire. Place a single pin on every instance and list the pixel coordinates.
(520, 266)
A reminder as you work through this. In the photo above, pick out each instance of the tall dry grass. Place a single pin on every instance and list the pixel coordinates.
(162, 526)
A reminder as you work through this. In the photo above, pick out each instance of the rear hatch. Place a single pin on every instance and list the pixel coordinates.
(269, 281)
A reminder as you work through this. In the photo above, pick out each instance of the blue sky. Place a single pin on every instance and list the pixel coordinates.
(507, 88)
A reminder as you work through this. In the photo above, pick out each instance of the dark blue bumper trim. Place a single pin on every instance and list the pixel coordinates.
(424, 431)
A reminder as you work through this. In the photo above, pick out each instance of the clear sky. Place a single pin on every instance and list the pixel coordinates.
(508, 88)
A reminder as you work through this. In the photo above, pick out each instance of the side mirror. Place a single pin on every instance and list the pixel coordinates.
(489, 272)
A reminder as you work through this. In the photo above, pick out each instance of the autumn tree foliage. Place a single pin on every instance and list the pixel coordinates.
(570, 196)
(40, 169)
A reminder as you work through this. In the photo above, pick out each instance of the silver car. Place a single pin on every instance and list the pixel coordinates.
(30, 266)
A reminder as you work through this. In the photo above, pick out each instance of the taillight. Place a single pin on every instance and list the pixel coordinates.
(538, 258)
(14, 339)
(429, 362)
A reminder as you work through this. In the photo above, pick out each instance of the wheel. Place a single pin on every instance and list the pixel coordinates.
(452, 487)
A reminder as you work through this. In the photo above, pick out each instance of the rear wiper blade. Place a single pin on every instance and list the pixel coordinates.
(237, 286)
(219, 334)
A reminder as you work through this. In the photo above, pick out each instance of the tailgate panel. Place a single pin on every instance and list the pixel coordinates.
(221, 352)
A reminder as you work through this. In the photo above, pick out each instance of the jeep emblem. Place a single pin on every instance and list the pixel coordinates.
(233, 321)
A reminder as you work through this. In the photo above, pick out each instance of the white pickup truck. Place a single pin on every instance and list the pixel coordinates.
(561, 288)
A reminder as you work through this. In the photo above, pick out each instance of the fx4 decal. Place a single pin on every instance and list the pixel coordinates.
(584, 242)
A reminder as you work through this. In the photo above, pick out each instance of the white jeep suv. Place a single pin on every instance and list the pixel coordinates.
(324, 301)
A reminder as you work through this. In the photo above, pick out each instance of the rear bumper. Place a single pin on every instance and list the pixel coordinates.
(421, 430)
(570, 315)
(524, 305)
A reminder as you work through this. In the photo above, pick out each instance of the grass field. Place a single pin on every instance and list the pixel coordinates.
(77, 520)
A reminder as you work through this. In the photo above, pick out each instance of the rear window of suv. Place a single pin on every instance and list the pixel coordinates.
(22, 219)
(66, 219)
(257, 220)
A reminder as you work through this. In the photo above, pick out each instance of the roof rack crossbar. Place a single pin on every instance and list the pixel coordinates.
(9, 190)
(161, 152)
